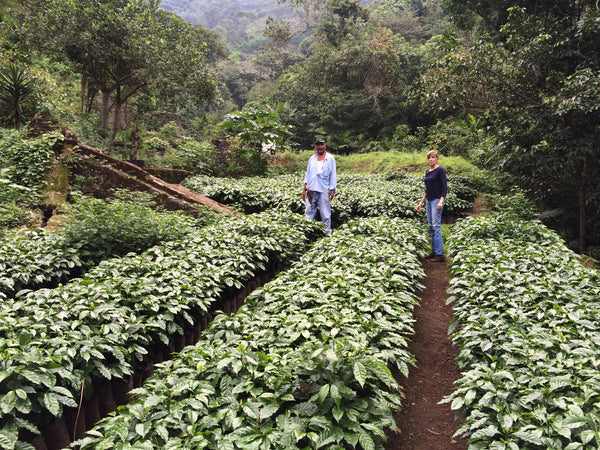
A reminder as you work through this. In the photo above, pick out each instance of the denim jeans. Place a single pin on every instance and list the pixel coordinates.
(320, 200)
(434, 219)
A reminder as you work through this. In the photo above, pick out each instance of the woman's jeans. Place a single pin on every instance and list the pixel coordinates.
(320, 200)
(434, 218)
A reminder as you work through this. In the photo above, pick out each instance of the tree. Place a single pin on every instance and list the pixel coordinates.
(258, 131)
(415, 20)
(122, 48)
(492, 15)
(535, 76)
(354, 85)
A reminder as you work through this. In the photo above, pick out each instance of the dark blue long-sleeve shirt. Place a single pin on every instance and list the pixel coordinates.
(436, 185)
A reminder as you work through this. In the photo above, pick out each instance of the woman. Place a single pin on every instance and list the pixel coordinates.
(436, 189)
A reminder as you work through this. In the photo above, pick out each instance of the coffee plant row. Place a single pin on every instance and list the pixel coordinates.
(359, 195)
(96, 230)
(306, 363)
(526, 319)
(56, 342)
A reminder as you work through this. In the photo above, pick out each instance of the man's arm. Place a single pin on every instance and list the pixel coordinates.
(333, 179)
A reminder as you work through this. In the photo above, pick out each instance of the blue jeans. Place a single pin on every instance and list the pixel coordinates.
(434, 219)
(320, 200)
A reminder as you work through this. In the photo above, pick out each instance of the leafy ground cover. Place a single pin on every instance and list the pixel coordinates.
(96, 230)
(525, 324)
(100, 326)
(304, 364)
(526, 320)
(362, 195)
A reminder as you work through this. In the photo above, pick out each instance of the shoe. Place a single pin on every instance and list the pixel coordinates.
(431, 255)
(438, 258)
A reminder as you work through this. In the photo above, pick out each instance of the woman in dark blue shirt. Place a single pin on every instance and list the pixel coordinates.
(436, 188)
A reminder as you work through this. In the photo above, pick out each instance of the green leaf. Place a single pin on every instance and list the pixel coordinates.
(323, 392)
(366, 441)
(51, 404)
(8, 402)
(360, 373)
(268, 411)
(153, 400)
(142, 428)
(335, 394)
(532, 436)
(457, 403)
(7, 441)
(337, 412)
(319, 422)
(470, 396)
(587, 436)
(306, 409)
(374, 429)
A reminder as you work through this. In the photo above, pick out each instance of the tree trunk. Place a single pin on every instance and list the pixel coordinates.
(118, 104)
(82, 92)
(105, 109)
(582, 201)
(115, 124)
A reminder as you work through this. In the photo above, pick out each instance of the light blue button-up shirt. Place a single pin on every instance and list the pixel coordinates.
(324, 181)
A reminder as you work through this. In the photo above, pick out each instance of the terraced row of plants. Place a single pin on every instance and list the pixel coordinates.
(526, 319)
(54, 342)
(97, 230)
(359, 195)
(305, 363)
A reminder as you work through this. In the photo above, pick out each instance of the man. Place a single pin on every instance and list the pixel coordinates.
(320, 184)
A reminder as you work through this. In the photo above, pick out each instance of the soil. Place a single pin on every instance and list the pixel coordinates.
(422, 423)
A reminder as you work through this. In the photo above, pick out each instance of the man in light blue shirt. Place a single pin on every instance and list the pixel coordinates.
(320, 184)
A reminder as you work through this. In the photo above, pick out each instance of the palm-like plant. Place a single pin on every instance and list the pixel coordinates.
(16, 85)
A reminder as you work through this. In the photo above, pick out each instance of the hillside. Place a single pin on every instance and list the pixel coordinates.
(211, 13)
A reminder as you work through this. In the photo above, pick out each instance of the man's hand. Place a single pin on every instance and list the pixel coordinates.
(331, 194)
(306, 194)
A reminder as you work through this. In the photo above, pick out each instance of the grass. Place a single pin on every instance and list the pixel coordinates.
(373, 162)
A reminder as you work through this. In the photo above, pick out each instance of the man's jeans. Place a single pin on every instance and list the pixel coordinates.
(320, 200)
(434, 218)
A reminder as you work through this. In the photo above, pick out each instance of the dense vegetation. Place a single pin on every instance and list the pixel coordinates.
(76, 337)
(235, 97)
(304, 364)
(526, 321)
(510, 87)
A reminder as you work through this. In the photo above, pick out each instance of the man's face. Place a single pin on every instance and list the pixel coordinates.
(320, 147)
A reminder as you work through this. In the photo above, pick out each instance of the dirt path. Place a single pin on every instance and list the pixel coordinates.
(422, 423)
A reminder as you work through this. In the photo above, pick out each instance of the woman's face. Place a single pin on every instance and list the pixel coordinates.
(432, 160)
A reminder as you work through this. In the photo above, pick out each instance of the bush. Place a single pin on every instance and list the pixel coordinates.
(156, 146)
(26, 159)
(169, 132)
(193, 156)
(129, 222)
(516, 205)
(14, 216)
